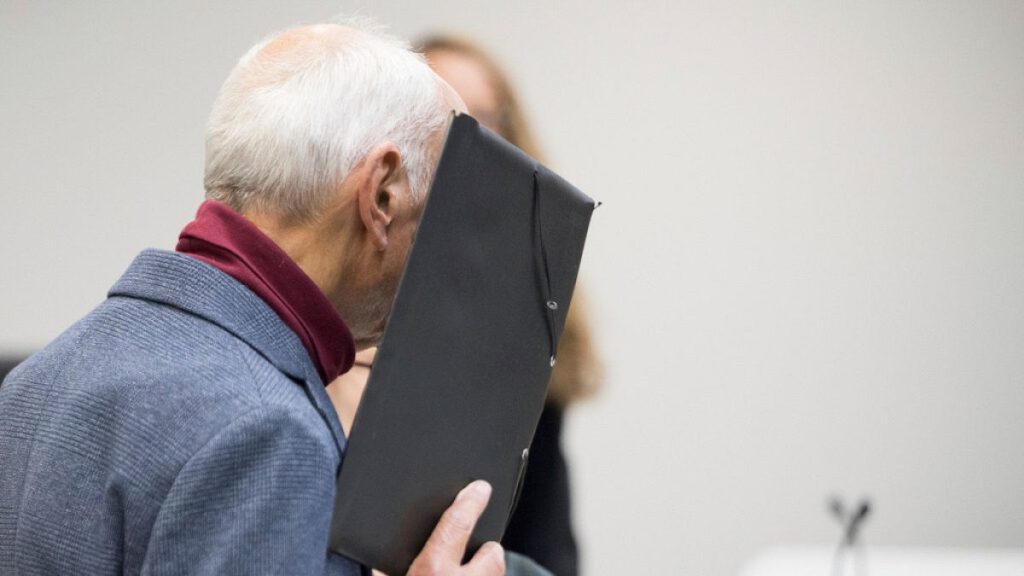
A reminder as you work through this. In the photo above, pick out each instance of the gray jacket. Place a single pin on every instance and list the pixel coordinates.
(180, 427)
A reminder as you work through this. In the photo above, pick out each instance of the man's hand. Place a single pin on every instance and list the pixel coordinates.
(443, 552)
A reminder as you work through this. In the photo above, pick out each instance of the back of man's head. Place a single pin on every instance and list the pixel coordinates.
(305, 106)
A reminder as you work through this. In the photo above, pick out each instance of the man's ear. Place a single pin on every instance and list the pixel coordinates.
(380, 176)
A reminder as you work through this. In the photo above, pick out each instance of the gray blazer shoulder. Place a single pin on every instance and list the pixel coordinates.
(179, 427)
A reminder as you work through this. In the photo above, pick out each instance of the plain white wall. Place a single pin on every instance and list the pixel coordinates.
(807, 276)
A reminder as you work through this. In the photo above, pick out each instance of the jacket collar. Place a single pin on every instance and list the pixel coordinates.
(197, 288)
(231, 243)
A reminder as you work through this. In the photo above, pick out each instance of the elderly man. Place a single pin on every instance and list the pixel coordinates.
(183, 425)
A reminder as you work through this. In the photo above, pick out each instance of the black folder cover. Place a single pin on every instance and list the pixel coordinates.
(461, 375)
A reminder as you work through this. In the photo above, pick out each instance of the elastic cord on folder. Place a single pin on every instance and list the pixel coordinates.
(550, 305)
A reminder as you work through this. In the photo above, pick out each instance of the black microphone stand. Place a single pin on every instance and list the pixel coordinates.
(849, 545)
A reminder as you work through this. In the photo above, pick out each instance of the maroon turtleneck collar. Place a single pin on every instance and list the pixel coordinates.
(224, 239)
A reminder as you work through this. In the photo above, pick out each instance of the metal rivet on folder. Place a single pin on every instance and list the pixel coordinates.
(552, 305)
(552, 361)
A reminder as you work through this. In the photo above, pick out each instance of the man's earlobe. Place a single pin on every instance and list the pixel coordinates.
(376, 200)
(375, 214)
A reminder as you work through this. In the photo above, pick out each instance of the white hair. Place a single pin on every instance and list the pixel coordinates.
(304, 107)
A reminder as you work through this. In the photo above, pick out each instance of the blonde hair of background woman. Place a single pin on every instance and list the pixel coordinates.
(578, 373)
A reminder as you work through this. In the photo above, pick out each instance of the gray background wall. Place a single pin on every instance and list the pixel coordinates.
(807, 276)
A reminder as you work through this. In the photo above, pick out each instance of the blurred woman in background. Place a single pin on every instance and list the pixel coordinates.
(541, 526)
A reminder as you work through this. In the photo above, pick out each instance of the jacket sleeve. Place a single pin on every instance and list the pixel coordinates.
(256, 499)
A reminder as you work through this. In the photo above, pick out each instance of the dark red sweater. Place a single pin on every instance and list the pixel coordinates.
(224, 239)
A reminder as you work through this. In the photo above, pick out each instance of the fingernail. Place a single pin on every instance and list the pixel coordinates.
(481, 488)
(497, 551)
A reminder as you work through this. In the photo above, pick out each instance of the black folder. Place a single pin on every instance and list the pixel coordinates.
(461, 374)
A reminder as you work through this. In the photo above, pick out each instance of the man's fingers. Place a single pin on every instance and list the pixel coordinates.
(489, 560)
(449, 539)
(443, 552)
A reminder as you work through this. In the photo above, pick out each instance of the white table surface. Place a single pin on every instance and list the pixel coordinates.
(890, 561)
